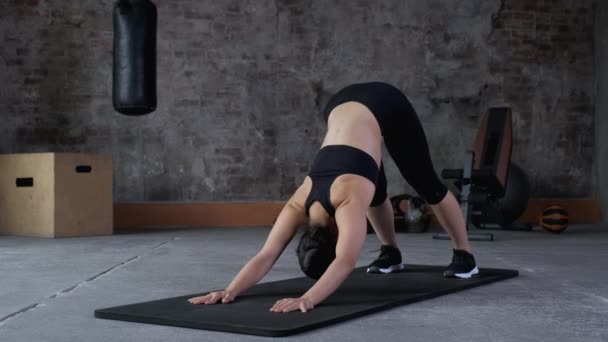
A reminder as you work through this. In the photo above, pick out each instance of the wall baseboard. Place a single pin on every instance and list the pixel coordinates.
(194, 215)
(154, 215)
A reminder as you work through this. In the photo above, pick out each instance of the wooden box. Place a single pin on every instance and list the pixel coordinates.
(56, 194)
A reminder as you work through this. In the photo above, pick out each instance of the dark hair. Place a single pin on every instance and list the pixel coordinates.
(316, 250)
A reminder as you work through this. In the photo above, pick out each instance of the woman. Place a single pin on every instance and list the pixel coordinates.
(346, 184)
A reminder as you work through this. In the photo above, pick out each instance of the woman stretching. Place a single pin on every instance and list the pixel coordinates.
(346, 185)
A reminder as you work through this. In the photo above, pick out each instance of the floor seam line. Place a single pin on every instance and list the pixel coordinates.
(74, 287)
(18, 312)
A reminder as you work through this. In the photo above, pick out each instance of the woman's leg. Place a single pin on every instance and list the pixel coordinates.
(381, 218)
(380, 215)
(449, 215)
(380, 212)
(409, 149)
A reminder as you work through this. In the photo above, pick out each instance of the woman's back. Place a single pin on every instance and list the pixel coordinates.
(353, 124)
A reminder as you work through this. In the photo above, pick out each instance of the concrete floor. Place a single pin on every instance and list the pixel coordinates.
(50, 288)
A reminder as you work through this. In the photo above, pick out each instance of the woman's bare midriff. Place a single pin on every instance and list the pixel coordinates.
(353, 124)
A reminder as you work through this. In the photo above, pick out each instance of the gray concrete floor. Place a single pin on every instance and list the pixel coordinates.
(50, 288)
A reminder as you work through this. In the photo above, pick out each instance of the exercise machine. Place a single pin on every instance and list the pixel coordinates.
(494, 192)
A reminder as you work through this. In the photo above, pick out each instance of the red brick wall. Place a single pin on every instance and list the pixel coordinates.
(241, 82)
(543, 51)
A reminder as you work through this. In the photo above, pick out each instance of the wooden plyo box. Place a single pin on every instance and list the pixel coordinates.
(56, 194)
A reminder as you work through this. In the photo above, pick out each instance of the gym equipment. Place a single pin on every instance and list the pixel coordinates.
(554, 218)
(494, 192)
(411, 213)
(360, 294)
(505, 210)
(134, 68)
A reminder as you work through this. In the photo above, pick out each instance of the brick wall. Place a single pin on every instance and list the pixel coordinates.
(241, 82)
(544, 54)
(601, 109)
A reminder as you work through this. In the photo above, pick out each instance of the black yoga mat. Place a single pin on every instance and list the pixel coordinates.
(361, 294)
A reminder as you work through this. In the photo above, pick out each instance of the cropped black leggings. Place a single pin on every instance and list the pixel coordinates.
(403, 136)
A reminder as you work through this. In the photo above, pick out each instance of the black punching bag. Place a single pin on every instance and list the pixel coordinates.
(134, 75)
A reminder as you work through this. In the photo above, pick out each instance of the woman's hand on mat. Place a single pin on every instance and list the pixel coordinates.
(213, 298)
(293, 304)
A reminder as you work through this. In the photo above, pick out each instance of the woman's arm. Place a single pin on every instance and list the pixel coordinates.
(352, 229)
(291, 217)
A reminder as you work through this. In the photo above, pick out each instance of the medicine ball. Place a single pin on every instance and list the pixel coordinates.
(554, 218)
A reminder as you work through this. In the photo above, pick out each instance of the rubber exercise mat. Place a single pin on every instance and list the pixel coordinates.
(361, 294)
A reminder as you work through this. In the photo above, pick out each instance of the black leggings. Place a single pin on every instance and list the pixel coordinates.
(403, 137)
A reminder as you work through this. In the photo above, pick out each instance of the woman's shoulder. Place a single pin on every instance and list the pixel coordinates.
(352, 189)
(299, 196)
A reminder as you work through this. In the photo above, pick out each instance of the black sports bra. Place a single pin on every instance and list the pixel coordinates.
(333, 161)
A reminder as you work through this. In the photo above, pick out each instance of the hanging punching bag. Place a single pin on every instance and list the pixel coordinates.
(134, 74)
